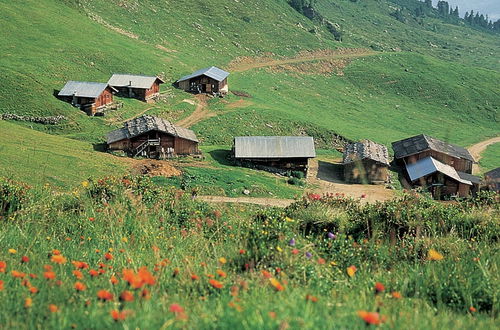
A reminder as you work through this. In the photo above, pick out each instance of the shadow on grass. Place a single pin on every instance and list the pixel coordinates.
(221, 156)
(101, 147)
(330, 172)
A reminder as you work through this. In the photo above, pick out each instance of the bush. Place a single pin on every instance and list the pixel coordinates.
(12, 196)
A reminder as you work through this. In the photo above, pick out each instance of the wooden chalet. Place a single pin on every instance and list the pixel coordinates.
(90, 97)
(153, 137)
(210, 80)
(366, 162)
(144, 88)
(273, 153)
(492, 180)
(443, 168)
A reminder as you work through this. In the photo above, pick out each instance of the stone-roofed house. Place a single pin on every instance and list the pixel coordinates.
(366, 162)
(210, 80)
(144, 88)
(91, 97)
(153, 137)
(492, 179)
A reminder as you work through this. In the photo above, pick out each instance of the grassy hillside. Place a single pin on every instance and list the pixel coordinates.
(490, 158)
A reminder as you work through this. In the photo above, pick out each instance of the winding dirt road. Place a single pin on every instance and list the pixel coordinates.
(200, 113)
(476, 150)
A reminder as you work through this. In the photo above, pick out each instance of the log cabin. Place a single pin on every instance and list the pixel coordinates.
(144, 88)
(210, 80)
(492, 180)
(274, 153)
(443, 168)
(90, 97)
(153, 137)
(366, 162)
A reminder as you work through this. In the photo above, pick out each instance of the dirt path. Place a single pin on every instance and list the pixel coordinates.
(248, 200)
(476, 150)
(308, 57)
(327, 177)
(200, 113)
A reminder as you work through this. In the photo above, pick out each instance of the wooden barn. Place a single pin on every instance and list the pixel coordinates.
(492, 180)
(281, 153)
(366, 162)
(90, 97)
(144, 88)
(210, 80)
(153, 137)
(443, 168)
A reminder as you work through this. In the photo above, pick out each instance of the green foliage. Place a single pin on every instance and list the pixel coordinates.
(12, 196)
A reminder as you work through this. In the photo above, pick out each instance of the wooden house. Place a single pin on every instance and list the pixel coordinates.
(444, 169)
(366, 162)
(492, 180)
(90, 97)
(144, 88)
(210, 80)
(153, 137)
(273, 153)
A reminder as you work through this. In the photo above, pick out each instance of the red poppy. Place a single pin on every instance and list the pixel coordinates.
(25, 259)
(127, 296)
(93, 273)
(79, 286)
(176, 308)
(33, 290)
(17, 274)
(371, 317)
(104, 295)
(216, 284)
(379, 288)
(119, 315)
(194, 277)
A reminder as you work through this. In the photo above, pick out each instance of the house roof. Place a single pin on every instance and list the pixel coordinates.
(469, 177)
(83, 89)
(366, 149)
(429, 165)
(274, 147)
(493, 174)
(132, 80)
(420, 143)
(212, 72)
(144, 124)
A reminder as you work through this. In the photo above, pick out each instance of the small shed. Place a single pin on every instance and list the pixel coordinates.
(153, 137)
(275, 152)
(144, 88)
(492, 179)
(210, 80)
(366, 162)
(90, 97)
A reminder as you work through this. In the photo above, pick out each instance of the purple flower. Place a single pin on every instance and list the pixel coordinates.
(308, 255)
(291, 242)
(331, 235)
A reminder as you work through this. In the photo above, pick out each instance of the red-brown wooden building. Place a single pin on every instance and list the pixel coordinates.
(153, 137)
(144, 88)
(90, 97)
(210, 80)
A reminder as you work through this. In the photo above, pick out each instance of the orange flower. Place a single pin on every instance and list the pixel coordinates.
(119, 315)
(222, 260)
(47, 267)
(433, 255)
(25, 259)
(371, 317)
(145, 294)
(79, 286)
(321, 261)
(56, 252)
(1, 285)
(176, 308)
(53, 308)
(17, 274)
(113, 280)
(396, 295)
(276, 284)
(80, 264)
(379, 287)
(133, 280)
(242, 251)
(78, 274)
(175, 272)
(33, 275)
(146, 276)
(266, 274)
(295, 251)
(108, 256)
(58, 259)
(93, 273)
(127, 296)
(194, 277)
(28, 302)
(351, 270)
(216, 284)
(33, 290)
(311, 298)
(3, 265)
(50, 275)
(472, 309)
(104, 295)
(221, 273)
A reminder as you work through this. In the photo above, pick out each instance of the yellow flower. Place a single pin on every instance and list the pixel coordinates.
(85, 184)
(12, 251)
(288, 219)
(124, 239)
(434, 255)
(333, 263)
(279, 249)
(351, 270)
(222, 260)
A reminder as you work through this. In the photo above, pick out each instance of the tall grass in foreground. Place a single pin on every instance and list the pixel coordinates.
(125, 253)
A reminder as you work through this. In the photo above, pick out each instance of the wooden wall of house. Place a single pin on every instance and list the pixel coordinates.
(105, 98)
(366, 171)
(184, 85)
(185, 147)
(462, 165)
(120, 145)
(150, 92)
(294, 164)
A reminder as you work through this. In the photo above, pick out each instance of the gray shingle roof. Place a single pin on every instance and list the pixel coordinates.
(493, 174)
(419, 143)
(144, 124)
(274, 147)
(366, 149)
(83, 89)
(134, 81)
(212, 72)
(469, 177)
(429, 165)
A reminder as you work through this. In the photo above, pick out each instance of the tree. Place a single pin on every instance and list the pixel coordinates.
(443, 8)
(428, 3)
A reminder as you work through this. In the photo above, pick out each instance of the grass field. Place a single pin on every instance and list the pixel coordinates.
(490, 158)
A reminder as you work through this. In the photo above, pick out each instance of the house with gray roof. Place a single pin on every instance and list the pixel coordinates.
(153, 137)
(366, 162)
(492, 179)
(274, 152)
(91, 97)
(211, 80)
(144, 88)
